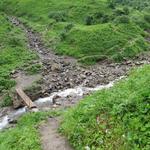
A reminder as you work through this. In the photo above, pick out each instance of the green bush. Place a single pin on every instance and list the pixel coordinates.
(123, 19)
(89, 20)
(7, 101)
(126, 10)
(69, 26)
(147, 17)
(33, 69)
(119, 12)
(64, 32)
(111, 4)
(97, 18)
(59, 16)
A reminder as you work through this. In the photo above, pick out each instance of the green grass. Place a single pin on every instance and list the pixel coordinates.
(13, 52)
(97, 29)
(25, 136)
(113, 42)
(116, 118)
(7, 101)
(33, 69)
(89, 30)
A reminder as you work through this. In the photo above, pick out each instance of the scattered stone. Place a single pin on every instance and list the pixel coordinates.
(55, 106)
(58, 103)
(17, 102)
(12, 121)
(56, 67)
(55, 98)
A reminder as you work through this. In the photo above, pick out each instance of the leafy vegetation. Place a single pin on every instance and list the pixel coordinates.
(33, 69)
(116, 118)
(84, 41)
(7, 101)
(13, 52)
(89, 30)
(112, 29)
(25, 135)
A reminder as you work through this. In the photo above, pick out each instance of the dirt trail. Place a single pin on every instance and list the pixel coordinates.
(51, 139)
(25, 81)
(60, 72)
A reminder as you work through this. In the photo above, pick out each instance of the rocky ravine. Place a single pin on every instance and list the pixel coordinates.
(62, 72)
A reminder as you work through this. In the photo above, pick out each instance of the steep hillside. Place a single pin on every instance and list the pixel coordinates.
(13, 54)
(88, 30)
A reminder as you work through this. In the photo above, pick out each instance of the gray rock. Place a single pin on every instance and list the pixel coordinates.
(56, 67)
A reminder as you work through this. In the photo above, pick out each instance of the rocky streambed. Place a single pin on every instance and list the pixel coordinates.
(62, 72)
(61, 99)
(63, 81)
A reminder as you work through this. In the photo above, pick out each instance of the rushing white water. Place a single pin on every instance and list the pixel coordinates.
(19, 112)
(77, 91)
(4, 122)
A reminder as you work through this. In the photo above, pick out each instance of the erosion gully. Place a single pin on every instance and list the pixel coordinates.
(63, 81)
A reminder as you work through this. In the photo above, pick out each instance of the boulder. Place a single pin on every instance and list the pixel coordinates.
(56, 67)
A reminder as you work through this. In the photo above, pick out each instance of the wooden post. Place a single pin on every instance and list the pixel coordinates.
(27, 101)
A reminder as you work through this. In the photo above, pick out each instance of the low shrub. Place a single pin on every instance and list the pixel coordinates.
(33, 69)
(59, 16)
(147, 17)
(122, 19)
(6, 101)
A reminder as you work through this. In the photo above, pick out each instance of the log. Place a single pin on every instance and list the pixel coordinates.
(27, 101)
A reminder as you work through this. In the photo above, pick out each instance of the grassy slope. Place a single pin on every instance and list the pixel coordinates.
(62, 24)
(25, 135)
(122, 111)
(13, 52)
(105, 40)
(117, 118)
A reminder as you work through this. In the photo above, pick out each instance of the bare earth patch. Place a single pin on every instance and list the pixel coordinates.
(50, 138)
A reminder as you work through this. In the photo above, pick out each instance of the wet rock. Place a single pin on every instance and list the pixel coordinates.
(83, 76)
(87, 73)
(17, 102)
(56, 97)
(55, 106)
(12, 121)
(34, 110)
(56, 67)
(58, 103)
(138, 63)
(65, 63)
(13, 72)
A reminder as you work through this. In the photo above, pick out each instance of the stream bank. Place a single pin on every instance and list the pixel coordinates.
(64, 81)
(63, 78)
(63, 72)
